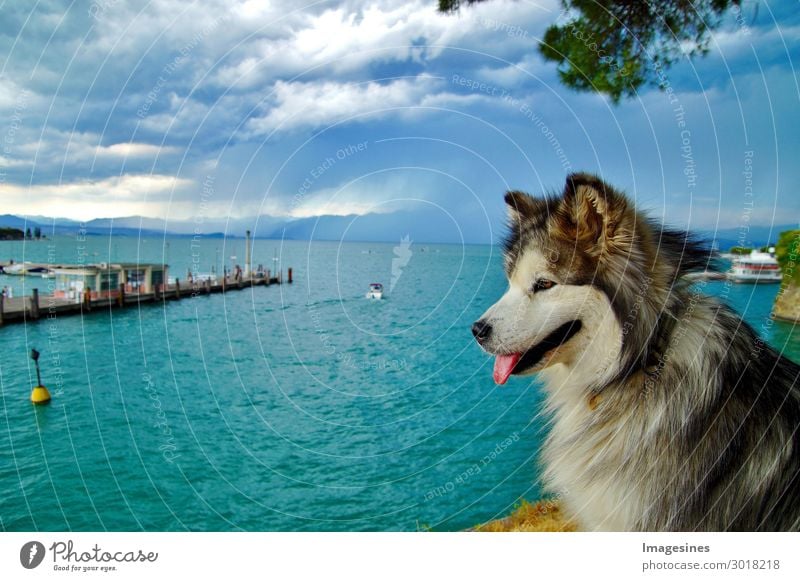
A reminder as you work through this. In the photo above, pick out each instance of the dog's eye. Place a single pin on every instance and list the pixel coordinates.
(542, 284)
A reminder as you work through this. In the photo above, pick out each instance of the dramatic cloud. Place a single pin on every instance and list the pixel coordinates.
(356, 37)
(118, 107)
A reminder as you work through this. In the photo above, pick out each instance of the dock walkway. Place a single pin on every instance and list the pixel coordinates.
(36, 307)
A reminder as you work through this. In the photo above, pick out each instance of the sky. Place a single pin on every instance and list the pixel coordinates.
(258, 112)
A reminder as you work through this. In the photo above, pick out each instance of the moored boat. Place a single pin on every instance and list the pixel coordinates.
(757, 267)
(28, 269)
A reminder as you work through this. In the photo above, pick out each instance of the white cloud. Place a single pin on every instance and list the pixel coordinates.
(185, 118)
(125, 150)
(374, 193)
(528, 69)
(737, 39)
(319, 104)
(348, 39)
(67, 152)
(343, 40)
(13, 97)
(344, 201)
(9, 162)
(86, 199)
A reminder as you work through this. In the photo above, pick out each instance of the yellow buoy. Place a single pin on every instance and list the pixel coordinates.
(40, 395)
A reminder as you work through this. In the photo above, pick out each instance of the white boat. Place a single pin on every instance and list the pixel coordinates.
(27, 269)
(375, 291)
(757, 267)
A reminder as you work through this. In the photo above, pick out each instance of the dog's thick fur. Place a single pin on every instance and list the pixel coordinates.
(668, 412)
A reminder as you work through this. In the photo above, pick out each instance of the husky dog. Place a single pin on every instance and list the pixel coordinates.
(668, 413)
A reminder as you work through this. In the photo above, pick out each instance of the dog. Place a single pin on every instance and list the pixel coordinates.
(666, 411)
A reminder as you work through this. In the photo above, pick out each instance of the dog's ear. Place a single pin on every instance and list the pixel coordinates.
(590, 212)
(520, 205)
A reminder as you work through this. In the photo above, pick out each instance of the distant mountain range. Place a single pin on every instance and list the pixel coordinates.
(126, 226)
(421, 226)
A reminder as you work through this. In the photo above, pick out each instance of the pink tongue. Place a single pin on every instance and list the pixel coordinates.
(503, 366)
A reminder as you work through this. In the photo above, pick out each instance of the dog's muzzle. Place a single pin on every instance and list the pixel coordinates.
(481, 330)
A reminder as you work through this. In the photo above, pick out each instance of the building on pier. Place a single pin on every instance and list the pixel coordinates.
(105, 279)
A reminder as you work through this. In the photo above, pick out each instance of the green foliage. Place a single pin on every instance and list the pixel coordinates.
(787, 252)
(740, 250)
(11, 234)
(616, 46)
(453, 5)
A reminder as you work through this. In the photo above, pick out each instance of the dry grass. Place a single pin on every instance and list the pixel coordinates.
(543, 516)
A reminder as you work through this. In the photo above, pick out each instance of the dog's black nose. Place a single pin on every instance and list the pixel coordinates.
(481, 330)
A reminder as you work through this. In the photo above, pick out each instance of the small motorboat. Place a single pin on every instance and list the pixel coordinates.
(375, 291)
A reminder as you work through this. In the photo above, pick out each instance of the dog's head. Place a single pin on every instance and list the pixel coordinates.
(582, 274)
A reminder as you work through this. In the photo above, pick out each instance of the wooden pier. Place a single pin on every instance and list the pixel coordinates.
(37, 306)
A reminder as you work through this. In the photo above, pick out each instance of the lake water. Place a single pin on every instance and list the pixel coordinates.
(293, 407)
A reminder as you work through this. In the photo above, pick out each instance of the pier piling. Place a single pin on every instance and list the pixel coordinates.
(247, 251)
(35, 304)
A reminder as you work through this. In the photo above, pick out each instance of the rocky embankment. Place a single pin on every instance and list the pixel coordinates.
(544, 516)
(787, 303)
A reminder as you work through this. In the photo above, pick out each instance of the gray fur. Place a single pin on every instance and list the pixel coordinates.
(690, 422)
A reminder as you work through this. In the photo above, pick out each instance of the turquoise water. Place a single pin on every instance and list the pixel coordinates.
(302, 407)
